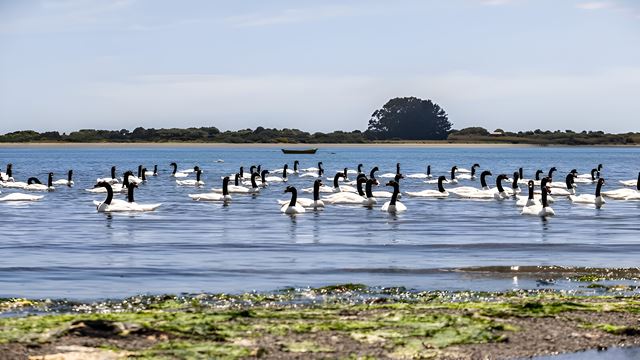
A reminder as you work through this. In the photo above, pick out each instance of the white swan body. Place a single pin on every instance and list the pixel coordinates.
(110, 205)
(393, 205)
(292, 208)
(214, 196)
(621, 194)
(21, 197)
(191, 182)
(597, 199)
(440, 193)
(344, 198)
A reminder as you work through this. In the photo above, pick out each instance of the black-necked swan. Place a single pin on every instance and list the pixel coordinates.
(214, 196)
(463, 190)
(292, 207)
(152, 173)
(68, 181)
(453, 179)
(530, 199)
(515, 188)
(590, 178)
(596, 199)
(625, 193)
(426, 175)
(8, 176)
(284, 170)
(295, 166)
(372, 175)
(177, 174)
(314, 172)
(393, 205)
(389, 194)
(34, 184)
(236, 188)
(349, 197)
(20, 197)
(392, 175)
(328, 189)
(314, 203)
(369, 199)
(112, 205)
(470, 175)
(440, 193)
(112, 180)
(568, 189)
(538, 209)
(191, 182)
(500, 194)
(119, 187)
(551, 171)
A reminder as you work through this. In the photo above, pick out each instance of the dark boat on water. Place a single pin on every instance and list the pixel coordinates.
(300, 151)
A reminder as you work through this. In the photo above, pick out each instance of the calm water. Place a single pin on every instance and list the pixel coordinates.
(61, 247)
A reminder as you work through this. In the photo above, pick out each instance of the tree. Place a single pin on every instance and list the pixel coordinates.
(409, 118)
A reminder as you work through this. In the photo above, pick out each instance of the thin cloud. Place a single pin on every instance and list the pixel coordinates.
(595, 5)
(495, 2)
(290, 16)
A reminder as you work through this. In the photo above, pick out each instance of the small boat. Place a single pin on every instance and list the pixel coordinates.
(300, 151)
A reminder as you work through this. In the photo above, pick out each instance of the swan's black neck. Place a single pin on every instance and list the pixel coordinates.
(593, 174)
(113, 172)
(198, 174)
(241, 173)
(125, 182)
(259, 169)
(144, 175)
(551, 172)
(253, 180)
(345, 172)
(263, 176)
(237, 179)
(50, 180)
(70, 176)
(531, 190)
(397, 168)
(473, 171)
(294, 196)
(483, 178)
(252, 169)
(538, 174)
(599, 167)
(335, 179)
(367, 189)
(320, 169)
(139, 171)
(599, 187)
(372, 173)
(175, 168)
(284, 171)
(441, 179)
(396, 191)
(544, 198)
(569, 181)
(316, 190)
(109, 193)
(9, 170)
(638, 184)
(516, 177)
(225, 186)
(543, 182)
(361, 180)
(499, 183)
(521, 173)
(33, 180)
(359, 168)
(453, 173)
(295, 166)
(428, 170)
(130, 194)
(155, 170)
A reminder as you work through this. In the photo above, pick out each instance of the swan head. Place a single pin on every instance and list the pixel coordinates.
(454, 168)
(530, 185)
(398, 177)
(103, 184)
(173, 164)
(601, 181)
(289, 189)
(318, 181)
(486, 173)
(476, 165)
(573, 171)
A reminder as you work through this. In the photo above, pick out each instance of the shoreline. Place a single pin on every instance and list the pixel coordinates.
(294, 146)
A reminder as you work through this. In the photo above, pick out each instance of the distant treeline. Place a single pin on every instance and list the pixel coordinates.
(265, 135)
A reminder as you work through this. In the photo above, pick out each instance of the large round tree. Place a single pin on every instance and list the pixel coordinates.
(409, 118)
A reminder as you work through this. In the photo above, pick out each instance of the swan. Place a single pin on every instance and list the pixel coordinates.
(284, 170)
(590, 174)
(501, 194)
(590, 179)
(356, 172)
(293, 207)
(426, 175)
(529, 200)
(152, 173)
(314, 172)
(596, 199)
(453, 179)
(392, 175)
(515, 188)
(118, 187)
(8, 176)
(112, 180)
(68, 181)
(461, 190)
(388, 194)
(369, 199)
(349, 197)
(20, 197)
(524, 201)
(471, 175)
(569, 187)
(111, 205)
(631, 182)
(440, 193)
(191, 182)
(393, 205)
(175, 172)
(33, 184)
(214, 196)
(314, 203)
(328, 189)
(536, 209)
(345, 178)
(551, 171)
(624, 193)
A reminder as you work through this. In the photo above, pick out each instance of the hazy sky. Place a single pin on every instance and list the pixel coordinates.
(318, 65)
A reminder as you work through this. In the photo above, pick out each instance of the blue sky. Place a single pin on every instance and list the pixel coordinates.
(318, 65)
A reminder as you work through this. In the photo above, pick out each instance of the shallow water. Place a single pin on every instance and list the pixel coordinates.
(61, 247)
(609, 354)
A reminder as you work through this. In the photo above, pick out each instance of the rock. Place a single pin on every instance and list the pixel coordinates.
(75, 352)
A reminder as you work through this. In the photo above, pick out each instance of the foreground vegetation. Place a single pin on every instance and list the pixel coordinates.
(295, 136)
(343, 321)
